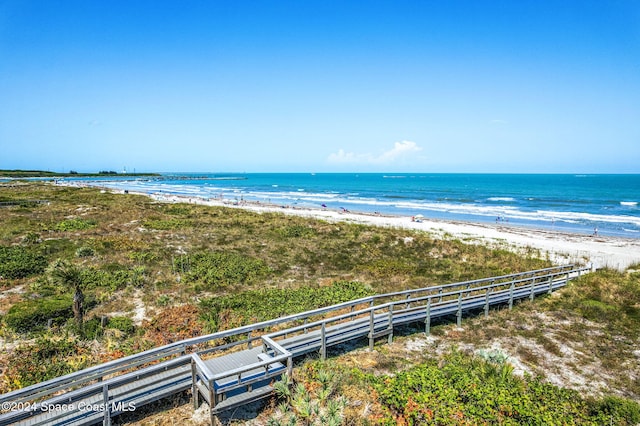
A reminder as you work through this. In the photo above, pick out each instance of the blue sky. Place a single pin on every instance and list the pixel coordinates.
(320, 86)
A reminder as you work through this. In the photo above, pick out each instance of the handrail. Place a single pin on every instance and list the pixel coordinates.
(464, 283)
(384, 306)
(85, 375)
(204, 368)
(273, 344)
(156, 354)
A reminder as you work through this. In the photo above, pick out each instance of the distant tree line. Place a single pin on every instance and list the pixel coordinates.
(42, 173)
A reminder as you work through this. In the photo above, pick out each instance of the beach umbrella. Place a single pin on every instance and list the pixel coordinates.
(418, 216)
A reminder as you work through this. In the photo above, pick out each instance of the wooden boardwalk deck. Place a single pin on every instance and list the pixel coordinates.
(226, 375)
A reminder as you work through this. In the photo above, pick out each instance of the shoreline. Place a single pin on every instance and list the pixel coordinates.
(560, 247)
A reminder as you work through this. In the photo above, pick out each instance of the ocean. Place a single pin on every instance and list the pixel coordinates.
(561, 202)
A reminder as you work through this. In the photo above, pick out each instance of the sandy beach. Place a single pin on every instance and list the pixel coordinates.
(560, 247)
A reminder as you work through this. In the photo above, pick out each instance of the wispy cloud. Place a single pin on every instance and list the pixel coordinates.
(400, 151)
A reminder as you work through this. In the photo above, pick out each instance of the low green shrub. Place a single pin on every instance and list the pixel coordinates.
(85, 251)
(32, 315)
(216, 269)
(470, 390)
(177, 209)
(607, 296)
(109, 279)
(596, 310)
(124, 324)
(20, 262)
(296, 231)
(91, 329)
(265, 304)
(616, 411)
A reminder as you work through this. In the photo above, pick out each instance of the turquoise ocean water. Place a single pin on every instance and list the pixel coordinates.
(568, 203)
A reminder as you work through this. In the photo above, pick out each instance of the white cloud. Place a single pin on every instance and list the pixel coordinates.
(400, 151)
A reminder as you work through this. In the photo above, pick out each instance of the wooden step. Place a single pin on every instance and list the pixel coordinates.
(243, 398)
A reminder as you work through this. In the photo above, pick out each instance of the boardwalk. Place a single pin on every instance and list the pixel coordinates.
(227, 375)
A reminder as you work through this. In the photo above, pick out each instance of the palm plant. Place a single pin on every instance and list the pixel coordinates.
(69, 276)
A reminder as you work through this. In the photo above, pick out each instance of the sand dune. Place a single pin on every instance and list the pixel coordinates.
(560, 247)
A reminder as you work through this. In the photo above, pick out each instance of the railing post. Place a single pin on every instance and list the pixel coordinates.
(486, 302)
(513, 285)
(305, 323)
(550, 284)
(249, 342)
(290, 365)
(459, 313)
(407, 304)
(107, 410)
(323, 343)
(371, 329)
(533, 282)
(213, 401)
(427, 320)
(440, 293)
(390, 326)
(194, 385)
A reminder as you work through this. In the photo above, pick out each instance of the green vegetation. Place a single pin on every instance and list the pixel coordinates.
(470, 390)
(69, 277)
(33, 315)
(73, 225)
(607, 297)
(123, 324)
(312, 400)
(20, 262)
(85, 252)
(166, 224)
(462, 389)
(261, 305)
(219, 269)
(457, 389)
